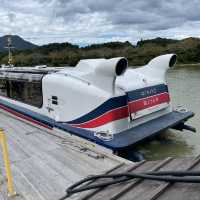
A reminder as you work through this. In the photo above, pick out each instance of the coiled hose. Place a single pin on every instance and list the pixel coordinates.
(166, 176)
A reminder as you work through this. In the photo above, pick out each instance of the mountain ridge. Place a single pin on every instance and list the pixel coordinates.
(18, 42)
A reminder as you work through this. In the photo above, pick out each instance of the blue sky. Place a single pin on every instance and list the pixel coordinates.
(89, 21)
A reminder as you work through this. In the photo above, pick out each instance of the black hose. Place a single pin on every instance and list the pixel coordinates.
(166, 176)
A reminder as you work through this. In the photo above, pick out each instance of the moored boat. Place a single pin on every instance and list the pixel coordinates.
(101, 100)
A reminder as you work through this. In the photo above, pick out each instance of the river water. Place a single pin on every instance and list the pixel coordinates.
(184, 87)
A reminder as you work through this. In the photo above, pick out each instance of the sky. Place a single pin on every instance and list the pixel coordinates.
(97, 21)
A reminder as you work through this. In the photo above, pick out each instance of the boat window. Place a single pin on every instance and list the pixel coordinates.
(23, 87)
(16, 90)
(3, 90)
(26, 92)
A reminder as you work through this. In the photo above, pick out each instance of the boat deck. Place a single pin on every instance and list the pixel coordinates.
(44, 165)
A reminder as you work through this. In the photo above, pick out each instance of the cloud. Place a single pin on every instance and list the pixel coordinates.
(90, 21)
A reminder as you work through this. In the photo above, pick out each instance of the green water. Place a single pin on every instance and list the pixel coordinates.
(184, 86)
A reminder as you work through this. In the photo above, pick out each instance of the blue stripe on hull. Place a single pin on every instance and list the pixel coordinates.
(146, 92)
(121, 101)
(109, 105)
(121, 140)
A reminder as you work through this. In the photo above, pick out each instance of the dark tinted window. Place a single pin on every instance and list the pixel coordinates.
(23, 91)
(17, 90)
(27, 92)
(3, 87)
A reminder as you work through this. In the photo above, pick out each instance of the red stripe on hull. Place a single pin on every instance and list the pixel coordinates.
(113, 115)
(123, 112)
(148, 102)
(24, 117)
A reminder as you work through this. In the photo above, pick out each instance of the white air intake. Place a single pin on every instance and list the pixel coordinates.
(163, 62)
(103, 72)
(157, 67)
(112, 67)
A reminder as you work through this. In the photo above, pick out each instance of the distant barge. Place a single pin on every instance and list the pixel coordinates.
(99, 100)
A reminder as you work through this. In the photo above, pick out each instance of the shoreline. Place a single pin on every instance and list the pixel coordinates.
(188, 65)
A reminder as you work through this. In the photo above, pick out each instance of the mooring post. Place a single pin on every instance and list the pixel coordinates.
(10, 185)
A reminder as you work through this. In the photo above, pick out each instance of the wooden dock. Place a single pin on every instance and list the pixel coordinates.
(44, 165)
(138, 189)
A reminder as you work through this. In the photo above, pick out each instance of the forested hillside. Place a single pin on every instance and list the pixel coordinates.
(58, 54)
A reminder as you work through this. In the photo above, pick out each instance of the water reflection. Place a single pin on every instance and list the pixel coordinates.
(171, 144)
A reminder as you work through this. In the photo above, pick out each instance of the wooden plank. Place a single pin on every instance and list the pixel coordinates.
(47, 181)
(103, 193)
(48, 138)
(85, 152)
(7, 120)
(44, 165)
(38, 141)
(116, 191)
(186, 164)
(78, 195)
(146, 189)
(30, 144)
(183, 191)
(63, 170)
(90, 194)
(24, 188)
(16, 152)
(81, 164)
(18, 133)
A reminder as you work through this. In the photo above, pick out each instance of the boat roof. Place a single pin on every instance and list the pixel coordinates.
(27, 73)
(36, 69)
